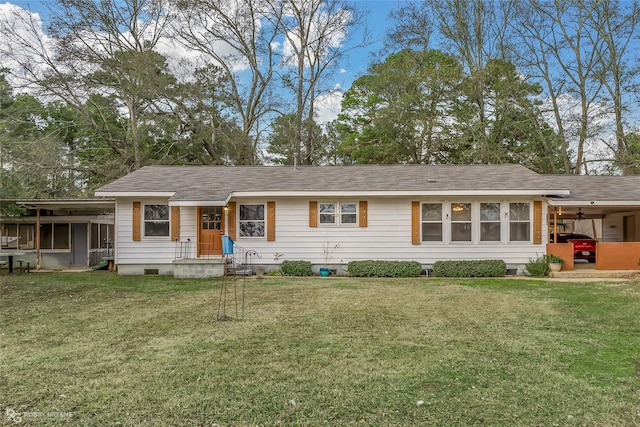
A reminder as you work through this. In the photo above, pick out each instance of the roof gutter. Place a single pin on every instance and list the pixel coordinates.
(418, 194)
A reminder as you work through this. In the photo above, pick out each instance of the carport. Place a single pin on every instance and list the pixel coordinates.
(57, 234)
(604, 207)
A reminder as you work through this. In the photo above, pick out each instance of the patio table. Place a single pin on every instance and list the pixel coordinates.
(10, 255)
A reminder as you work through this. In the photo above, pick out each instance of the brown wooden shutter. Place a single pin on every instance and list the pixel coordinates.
(537, 222)
(362, 215)
(231, 220)
(136, 221)
(415, 223)
(313, 213)
(271, 221)
(175, 223)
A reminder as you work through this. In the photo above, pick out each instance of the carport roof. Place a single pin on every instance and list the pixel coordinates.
(68, 206)
(597, 189)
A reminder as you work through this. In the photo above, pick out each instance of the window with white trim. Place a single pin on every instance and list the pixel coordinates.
(490, 222)
(520, 222)
(477, 222)
(432, 222)
(251, 220)
(156, 220)
(338, 214)
(461, 223)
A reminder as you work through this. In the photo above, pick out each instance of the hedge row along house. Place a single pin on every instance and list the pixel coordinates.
(174, 219)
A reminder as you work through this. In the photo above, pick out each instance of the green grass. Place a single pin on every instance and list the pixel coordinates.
(101, 349)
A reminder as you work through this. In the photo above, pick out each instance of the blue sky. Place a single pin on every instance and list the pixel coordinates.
(357, 61)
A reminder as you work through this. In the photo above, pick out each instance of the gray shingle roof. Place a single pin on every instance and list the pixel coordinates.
(599, 187)
(216, 183)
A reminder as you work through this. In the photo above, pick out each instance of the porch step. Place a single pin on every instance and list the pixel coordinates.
(198, 268)
(239, 271)
(102, 265)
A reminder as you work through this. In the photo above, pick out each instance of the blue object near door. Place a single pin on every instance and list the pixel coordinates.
(324, 271)
(227, 245)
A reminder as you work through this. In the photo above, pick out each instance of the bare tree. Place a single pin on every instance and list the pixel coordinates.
(94, 48)
(239, 37)
(475, 31)
(615, 35)
(557, 41)
(414, 28)
(316, 32)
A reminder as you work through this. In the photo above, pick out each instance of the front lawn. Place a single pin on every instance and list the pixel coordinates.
(101, 349)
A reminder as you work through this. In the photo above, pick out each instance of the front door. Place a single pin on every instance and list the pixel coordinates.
(210, 231)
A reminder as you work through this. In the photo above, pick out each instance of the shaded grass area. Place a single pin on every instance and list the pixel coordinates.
(147, 350)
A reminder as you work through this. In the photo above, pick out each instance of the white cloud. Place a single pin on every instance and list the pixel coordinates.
(25, 47)
(328, 106)
(328, 31)
(601, 128)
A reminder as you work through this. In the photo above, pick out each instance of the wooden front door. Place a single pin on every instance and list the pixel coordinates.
(210, 230)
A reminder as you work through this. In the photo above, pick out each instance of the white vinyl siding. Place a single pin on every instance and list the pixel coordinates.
(149, 250)
(387, 236)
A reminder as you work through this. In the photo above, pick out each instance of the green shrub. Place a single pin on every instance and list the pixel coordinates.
(374, 268)
(474, 268)
(554, 259)
(538, 267)
(296, 268)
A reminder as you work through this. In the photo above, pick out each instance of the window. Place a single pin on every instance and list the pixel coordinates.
(156, 220)
(101, 236)
(460, 222)
(327, 213)
(26, 236)
(9, 236)
(348, 213)
(211, 218)
(338, 214)
(432, 222)
(54, 236)
(519, 222)
(490, 222)
(474, 222)
(251, 221)
(18, 236)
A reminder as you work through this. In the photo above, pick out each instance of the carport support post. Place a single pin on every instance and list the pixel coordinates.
(38, 239)
(555, 225)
